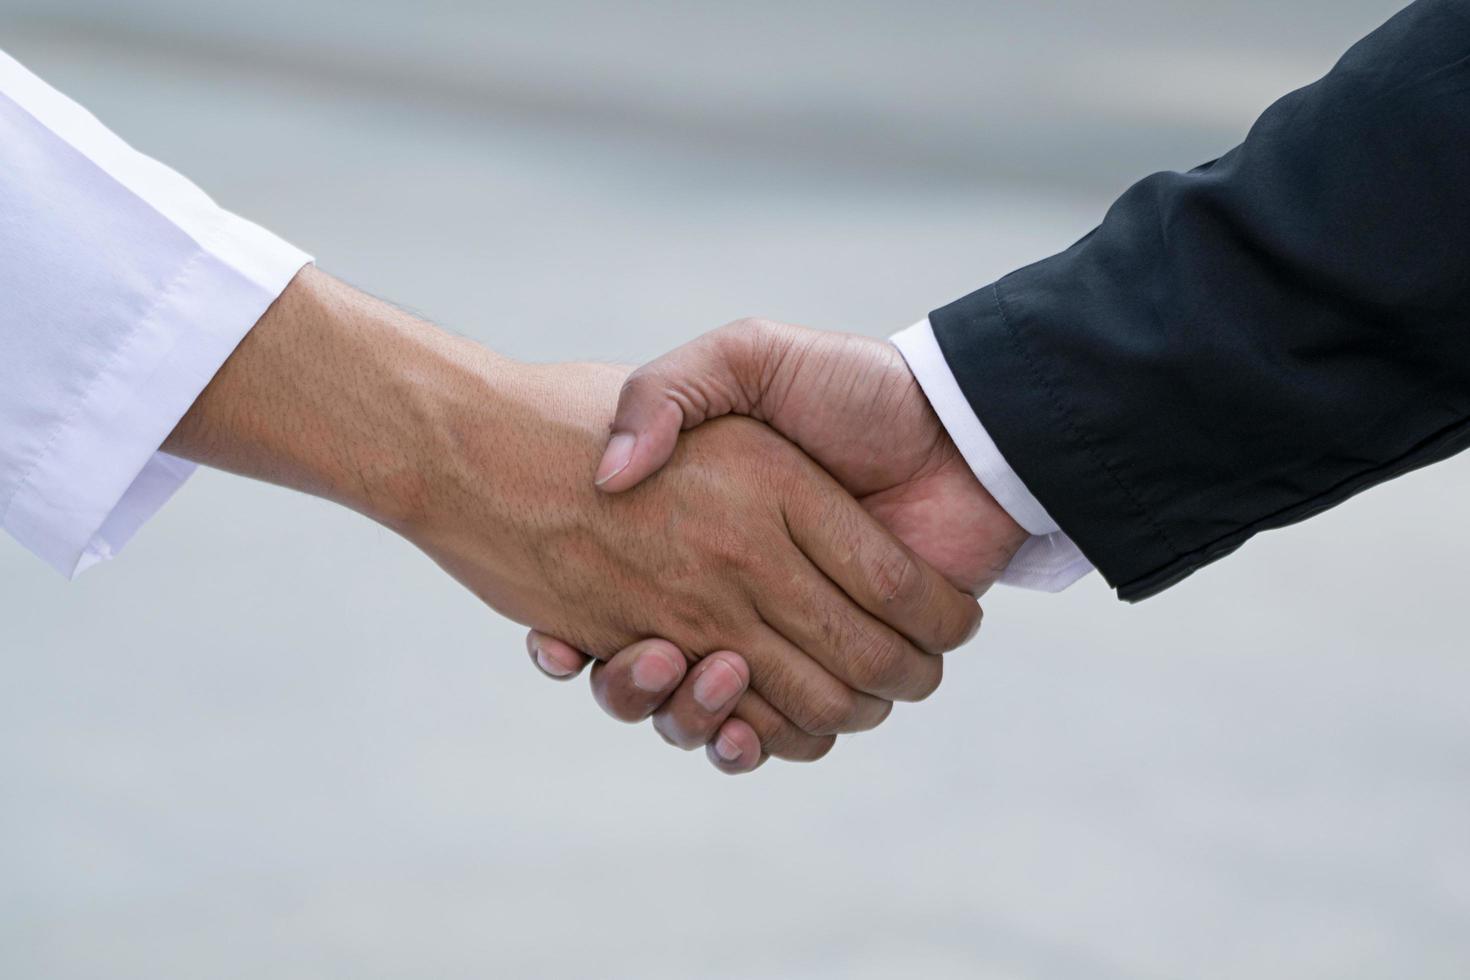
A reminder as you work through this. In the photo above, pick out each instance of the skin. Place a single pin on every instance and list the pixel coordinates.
(740, 541)
(853, 405)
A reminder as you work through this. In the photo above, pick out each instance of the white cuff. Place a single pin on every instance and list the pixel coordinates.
(1049, 561)
(102, 476)
(125, 288)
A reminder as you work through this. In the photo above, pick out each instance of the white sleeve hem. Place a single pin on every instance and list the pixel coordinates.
(102, 476)
(128, 289)
(253, 251)
(1049, 561)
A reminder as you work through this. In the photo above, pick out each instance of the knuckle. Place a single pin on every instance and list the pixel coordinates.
(616, 704)
(735, 547)
(676, 734)
(794, 746)
(759, 344)
(817, 748)
(951, 626)
(650, 387)
(926, 681)
(960, 627)
(883, 713)
(897, 580)
(745, 327)
(879, 664)
(636, 384)
(874, 710)
(834, 514)
(745, 571)
(829, 713)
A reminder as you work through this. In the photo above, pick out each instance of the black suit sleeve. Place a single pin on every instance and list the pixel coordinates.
(1239, 347)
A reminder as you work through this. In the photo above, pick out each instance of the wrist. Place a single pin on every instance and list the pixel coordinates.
(445, 421)
(336, 394)
(426, 390)
(501, 494)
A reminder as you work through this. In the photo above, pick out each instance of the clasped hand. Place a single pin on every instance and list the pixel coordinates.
(811, 568)
(741, 543)
(809, 658)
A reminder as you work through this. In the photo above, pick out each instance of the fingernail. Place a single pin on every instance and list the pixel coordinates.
(616, 457)
(726, 748)
(551, 666)
(975, 629)
(715, 688)
(655, 671)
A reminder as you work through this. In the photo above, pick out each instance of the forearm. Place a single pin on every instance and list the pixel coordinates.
(472, 457)
(487, 467)
(340, 395)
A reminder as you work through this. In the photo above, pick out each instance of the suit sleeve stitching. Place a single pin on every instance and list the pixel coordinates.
(1078, 435)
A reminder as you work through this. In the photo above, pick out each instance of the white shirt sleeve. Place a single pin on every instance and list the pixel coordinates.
(123, 288)
(1049, 561)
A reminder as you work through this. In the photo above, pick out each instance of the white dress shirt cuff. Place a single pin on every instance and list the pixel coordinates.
(153, 285)
(1049, 561)
(103, 476)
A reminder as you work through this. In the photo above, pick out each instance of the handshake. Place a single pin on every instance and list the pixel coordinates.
(1231, 350)
(812, 569)
(758, 585)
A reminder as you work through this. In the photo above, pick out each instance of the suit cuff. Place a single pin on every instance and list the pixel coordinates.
(1049, 561)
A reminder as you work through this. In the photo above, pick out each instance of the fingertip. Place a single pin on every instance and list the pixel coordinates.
(977, 619)
(723, 677)
(616, 475)
(623, 480)
(645, 434)
(554, 658)
(691, 716)
(658, 666)
(736, 662)
(735, 749)
(638, 679)
(647, 456)
(615, 458)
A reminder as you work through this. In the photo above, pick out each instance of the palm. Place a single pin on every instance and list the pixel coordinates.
(853, 406)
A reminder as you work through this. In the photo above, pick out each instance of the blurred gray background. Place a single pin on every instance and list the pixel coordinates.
(273, 741)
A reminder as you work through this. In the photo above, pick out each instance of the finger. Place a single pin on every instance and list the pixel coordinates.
(803, 691)
(715, 375)
(638, 678)
(879, 572)
(695, 710)
(555, 659)
(736, 748)
(777, 734)
(853, 646)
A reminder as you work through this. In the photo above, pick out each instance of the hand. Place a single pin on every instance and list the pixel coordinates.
(688, 713)
(853, 405)
(742, 543)
(850, 403)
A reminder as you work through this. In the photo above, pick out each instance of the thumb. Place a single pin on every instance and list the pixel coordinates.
(717, 374)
